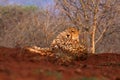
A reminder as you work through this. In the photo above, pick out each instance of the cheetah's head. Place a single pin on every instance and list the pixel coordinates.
(73, 32)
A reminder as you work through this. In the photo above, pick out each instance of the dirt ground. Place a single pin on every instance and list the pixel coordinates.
(19, 64)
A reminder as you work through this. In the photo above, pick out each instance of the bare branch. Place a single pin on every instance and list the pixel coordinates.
(103, 32)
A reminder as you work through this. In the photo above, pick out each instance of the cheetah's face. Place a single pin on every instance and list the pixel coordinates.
(74, 33)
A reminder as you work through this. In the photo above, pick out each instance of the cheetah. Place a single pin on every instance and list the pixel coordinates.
(66, 43)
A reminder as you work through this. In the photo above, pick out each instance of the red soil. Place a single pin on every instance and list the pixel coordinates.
(18, 64)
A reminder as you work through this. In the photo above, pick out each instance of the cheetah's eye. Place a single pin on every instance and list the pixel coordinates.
(73, 31)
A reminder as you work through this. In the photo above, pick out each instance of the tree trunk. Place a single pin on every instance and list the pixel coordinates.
(94, 29)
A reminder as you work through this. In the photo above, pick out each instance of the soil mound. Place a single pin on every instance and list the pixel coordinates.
(19, 64)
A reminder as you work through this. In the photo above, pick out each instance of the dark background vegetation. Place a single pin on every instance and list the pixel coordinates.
(22, 26)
